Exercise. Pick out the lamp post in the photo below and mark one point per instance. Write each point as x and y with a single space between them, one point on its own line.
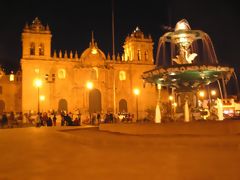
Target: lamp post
89 86
38 84
42 98
136 91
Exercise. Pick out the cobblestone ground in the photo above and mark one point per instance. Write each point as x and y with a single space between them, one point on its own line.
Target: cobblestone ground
86 153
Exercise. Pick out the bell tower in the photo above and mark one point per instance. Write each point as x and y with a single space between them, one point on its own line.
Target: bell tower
138 48
36 41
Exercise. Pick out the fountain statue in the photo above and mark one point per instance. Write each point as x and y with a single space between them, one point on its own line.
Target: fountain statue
185 62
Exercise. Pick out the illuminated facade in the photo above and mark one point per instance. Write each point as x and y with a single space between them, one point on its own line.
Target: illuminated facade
64 75
10 92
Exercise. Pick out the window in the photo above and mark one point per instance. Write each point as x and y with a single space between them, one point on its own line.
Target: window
146 56
32 48
41 50
122 75
46 77
53 77
61 73
0 89
139 55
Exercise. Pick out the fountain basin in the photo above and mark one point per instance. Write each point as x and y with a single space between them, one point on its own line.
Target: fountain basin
187 77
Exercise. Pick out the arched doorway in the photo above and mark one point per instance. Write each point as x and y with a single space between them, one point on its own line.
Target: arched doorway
95 103
62 106
123 105
2 106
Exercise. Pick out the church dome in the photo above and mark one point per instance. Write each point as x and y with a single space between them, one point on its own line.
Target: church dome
93 53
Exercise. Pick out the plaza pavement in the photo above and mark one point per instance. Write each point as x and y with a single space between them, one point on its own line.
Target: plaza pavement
71 153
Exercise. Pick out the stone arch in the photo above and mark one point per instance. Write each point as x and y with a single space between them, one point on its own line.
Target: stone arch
95 101
62 105
2 106
123 105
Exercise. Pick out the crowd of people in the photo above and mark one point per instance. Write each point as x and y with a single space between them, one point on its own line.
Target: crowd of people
11 119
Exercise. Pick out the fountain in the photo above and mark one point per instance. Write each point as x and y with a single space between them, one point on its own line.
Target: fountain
186 112
158 111
157 114
219 109
185 62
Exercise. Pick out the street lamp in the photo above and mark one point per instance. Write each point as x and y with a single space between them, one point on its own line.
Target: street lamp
89 85
136 91
38 84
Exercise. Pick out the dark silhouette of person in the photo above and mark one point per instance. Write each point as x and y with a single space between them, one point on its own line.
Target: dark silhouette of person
99 118
4 119
54 120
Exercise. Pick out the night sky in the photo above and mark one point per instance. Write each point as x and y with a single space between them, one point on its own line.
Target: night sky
71 24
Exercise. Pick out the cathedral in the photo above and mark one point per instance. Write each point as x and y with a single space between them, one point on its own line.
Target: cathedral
88 82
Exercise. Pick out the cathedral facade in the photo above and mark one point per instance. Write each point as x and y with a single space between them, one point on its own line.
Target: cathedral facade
88 82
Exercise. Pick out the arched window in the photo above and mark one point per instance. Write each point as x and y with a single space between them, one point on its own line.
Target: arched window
122 75
61 73
32 48
123 106
146 55
139 55
41 50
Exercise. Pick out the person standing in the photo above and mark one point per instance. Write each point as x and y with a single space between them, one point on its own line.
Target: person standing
99 118
4 120
54 120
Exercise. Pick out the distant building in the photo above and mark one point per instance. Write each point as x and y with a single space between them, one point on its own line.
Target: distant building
10 92
64 75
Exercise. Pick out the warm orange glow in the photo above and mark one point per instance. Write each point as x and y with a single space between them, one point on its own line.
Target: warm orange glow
182 25
170 98
89 85
38 83
136 91
42 98
201 94
122 75
11 77
94 51
213 92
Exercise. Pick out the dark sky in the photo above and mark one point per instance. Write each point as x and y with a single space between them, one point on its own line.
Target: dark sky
71 23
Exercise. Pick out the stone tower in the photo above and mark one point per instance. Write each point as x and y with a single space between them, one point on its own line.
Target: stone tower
36 41
36 55
138 48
